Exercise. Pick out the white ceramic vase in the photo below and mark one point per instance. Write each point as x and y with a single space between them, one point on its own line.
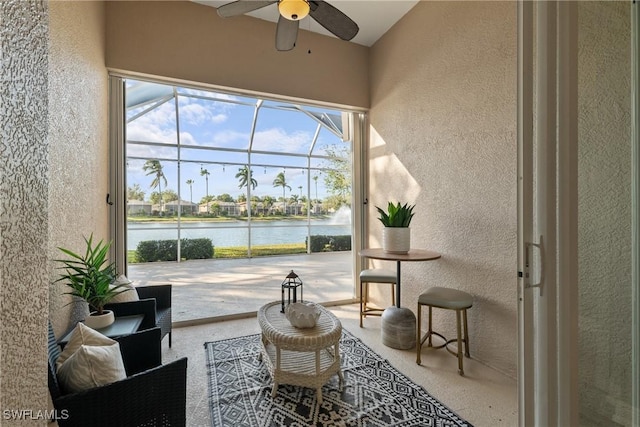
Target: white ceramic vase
302 315
99 321
396 240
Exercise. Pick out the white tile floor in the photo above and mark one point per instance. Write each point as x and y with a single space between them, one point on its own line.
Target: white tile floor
484 397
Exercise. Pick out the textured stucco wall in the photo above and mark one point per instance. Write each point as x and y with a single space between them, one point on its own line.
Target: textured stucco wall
604 220
79 149
24 177
443 136
54 175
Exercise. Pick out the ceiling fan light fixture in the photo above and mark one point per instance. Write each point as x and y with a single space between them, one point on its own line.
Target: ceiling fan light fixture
293 10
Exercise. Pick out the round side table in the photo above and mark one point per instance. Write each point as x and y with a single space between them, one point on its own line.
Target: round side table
398 326
303 357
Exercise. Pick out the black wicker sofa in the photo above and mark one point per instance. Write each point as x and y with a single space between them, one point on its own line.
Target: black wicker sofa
152 394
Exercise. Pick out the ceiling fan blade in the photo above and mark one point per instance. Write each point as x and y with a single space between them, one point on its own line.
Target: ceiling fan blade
286 33
333 19
241 7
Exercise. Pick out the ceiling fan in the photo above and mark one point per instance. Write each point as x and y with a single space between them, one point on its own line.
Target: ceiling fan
291 12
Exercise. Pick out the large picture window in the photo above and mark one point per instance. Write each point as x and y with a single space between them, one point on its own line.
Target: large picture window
242 172
213 175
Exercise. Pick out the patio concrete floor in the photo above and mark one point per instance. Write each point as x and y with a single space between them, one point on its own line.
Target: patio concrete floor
221 289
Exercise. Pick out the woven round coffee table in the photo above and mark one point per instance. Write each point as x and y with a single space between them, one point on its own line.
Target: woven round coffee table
302 357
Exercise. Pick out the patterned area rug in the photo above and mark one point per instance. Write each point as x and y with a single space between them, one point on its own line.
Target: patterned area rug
374 392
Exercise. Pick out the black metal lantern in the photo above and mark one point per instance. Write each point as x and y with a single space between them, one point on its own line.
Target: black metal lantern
292 281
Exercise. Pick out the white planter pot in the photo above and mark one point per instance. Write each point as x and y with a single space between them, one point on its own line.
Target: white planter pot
396 240
95 321
302 315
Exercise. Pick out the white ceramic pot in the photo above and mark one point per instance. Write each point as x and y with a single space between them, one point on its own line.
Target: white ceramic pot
302 315
396 240
99 321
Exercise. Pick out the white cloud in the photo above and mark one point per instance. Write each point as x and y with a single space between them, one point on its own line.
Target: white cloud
219 118
146 151
199 114
187 139
276 139
138 132
231 138
158 125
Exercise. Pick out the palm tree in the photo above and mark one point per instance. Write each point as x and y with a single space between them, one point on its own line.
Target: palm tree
154 167
300 187
281 181
190 184
315 179
205 173
245 175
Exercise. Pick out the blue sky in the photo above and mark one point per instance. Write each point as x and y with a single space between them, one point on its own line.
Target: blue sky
206 124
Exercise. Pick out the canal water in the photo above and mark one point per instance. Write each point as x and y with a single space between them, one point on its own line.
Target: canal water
236 233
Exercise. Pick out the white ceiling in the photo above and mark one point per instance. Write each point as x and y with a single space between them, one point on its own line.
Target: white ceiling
374 17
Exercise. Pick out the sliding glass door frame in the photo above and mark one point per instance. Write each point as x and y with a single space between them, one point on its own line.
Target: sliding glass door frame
547 213
117 197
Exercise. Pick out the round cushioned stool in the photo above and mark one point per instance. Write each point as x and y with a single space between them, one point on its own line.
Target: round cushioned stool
448 299
374 275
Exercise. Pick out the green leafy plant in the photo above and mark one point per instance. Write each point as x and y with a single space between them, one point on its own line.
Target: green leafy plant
396 215
90 276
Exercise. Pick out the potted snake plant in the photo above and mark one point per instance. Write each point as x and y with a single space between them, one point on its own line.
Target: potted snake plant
91 277
396 235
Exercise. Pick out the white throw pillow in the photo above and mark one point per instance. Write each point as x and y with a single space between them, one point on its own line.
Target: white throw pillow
82 335
91 366
129 295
